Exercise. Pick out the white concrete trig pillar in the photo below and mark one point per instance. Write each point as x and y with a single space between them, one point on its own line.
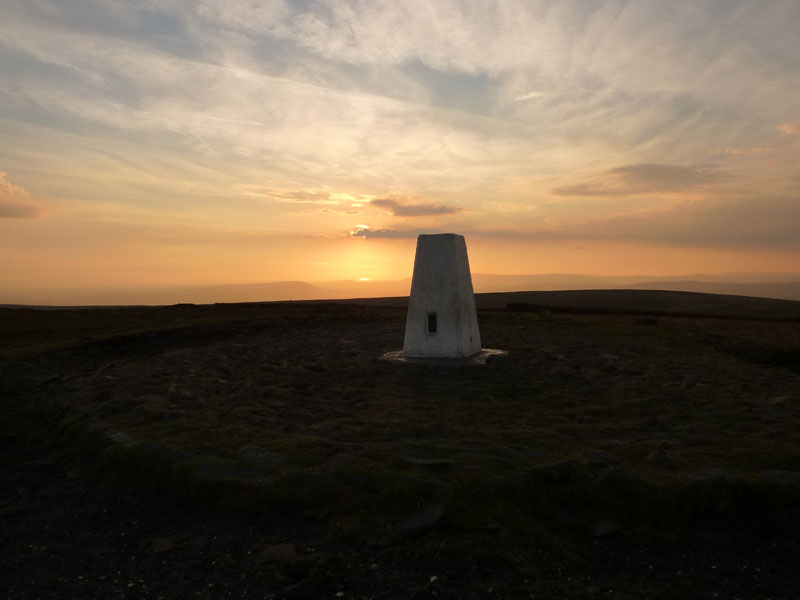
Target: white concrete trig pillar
442 321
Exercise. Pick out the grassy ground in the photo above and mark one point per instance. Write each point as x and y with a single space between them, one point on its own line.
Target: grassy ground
654 424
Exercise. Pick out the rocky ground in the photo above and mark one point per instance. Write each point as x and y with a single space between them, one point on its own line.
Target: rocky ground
267 452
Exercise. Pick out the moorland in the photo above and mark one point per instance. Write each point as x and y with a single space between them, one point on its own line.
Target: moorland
630 444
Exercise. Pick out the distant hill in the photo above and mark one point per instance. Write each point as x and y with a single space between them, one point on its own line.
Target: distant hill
789 290
767 285
209 294
628 301
750 284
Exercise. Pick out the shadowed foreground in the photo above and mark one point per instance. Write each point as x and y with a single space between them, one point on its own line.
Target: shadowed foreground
266 448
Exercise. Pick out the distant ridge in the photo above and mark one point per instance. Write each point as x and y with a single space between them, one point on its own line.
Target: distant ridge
785 286
789 290
657 302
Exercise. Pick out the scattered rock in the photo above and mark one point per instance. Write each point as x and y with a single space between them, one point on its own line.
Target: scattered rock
511 486
661 459
143 413
645 321
616 482
214 471
279 553
341 461
780 476
305 590
260 456
431 462
161 453
197 543
314 483
422 520
779 400
151 398
563 471
713 474
604 528
175 393
378 542
163 544
602 456
120 437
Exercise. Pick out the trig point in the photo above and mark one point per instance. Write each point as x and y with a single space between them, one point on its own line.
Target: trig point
442 321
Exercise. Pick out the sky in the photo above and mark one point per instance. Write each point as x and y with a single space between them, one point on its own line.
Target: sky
158 142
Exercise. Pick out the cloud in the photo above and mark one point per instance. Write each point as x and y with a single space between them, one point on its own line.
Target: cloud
746 222
400 209
746 151
529 96
752 222
644 178
14 201
366 232
790 128
290 196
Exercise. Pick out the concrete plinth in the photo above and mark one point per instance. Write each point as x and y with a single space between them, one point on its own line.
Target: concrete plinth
442 321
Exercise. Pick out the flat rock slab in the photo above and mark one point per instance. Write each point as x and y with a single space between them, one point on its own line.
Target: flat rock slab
476 360
260 456
314 484
422 520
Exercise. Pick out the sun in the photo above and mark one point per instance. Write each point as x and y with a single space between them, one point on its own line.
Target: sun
365 278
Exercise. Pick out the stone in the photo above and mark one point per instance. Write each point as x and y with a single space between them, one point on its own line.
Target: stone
562 471
342 461
162 454
151 398
660 459
645 321
314 483
514 485
279 553
305 590
601 456
163 544
789 479
604 528
420 521
433 463
260 456
221 470
779 400
442 321
120 437
715 475
616 482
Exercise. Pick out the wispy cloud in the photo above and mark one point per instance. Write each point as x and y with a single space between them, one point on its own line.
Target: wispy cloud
15 201
746 151
642 178
413 209
790 128
366 232
300 114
